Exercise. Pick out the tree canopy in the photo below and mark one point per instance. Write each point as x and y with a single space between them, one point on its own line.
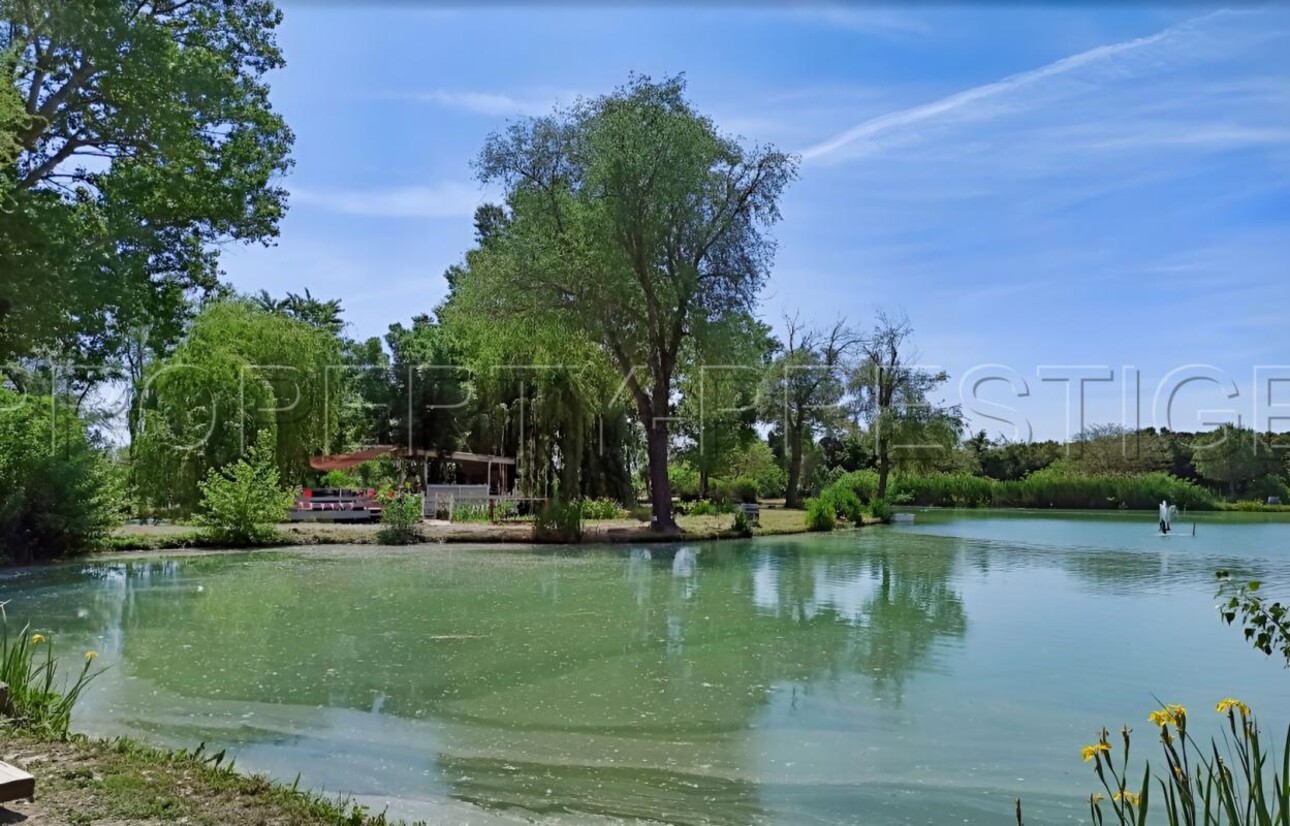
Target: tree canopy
143 139
632 219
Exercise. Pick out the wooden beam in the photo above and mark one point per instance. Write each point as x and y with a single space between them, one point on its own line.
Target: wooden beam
15 784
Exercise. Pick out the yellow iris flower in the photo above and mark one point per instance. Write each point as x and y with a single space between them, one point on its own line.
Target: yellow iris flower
1089 752
1229 703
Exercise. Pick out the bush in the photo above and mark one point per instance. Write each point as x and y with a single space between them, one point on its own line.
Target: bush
243 502
341 479
880 510
863 483
58 495
745 490
743 523
684 480
400 515
35 701
820 515
558 522
600 509
845 502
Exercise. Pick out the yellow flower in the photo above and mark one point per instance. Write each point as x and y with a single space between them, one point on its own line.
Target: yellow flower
1229 703
1089 752
90 655
37 639
1128 797
1173 715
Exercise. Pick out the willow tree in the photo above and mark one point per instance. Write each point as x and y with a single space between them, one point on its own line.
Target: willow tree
632 220
241 372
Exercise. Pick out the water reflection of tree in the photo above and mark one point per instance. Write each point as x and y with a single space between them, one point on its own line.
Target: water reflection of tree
539 662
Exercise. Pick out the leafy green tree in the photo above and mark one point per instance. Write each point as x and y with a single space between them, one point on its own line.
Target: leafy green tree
1113 448
892 394
1234 457
58 495
243 502
803 389
632 219
146 141
239 371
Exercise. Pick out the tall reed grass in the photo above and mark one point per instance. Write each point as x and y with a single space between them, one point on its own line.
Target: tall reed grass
37 701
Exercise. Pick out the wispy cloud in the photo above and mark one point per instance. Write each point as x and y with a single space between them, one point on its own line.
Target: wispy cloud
447 200
867 20
870 133
492 104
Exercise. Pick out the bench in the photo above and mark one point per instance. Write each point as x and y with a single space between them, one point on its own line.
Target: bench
753 510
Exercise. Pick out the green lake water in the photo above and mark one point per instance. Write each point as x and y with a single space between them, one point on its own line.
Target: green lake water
922 673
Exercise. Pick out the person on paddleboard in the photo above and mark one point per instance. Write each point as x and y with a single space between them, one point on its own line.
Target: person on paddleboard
1164 516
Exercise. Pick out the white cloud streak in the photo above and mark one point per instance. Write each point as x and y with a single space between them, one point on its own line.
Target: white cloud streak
447 200
492 104
871 130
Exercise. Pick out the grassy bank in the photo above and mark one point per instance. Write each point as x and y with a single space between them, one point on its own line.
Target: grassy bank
774 521
85 781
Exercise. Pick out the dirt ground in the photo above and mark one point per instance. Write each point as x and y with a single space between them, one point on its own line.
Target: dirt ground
112 783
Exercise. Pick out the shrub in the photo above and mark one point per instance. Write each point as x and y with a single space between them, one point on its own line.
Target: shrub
845 502
341 479
58 495
558 522
400 516
744 489
820 515
684 480
35 701
863 483
743 523
243 502
600 509
880 510
703 507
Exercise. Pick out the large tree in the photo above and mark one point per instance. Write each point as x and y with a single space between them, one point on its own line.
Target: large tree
803 389
892 394
145 140
635 221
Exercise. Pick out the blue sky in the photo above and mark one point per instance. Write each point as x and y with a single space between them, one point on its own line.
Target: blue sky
1035 188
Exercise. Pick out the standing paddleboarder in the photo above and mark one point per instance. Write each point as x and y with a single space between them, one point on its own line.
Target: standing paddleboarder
1164 516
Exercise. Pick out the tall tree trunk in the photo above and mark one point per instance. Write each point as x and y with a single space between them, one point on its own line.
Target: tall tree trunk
660 489
793 497
884 470
703 483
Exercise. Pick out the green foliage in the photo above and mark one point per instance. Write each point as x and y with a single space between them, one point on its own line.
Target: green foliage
58 495
742 524
631 221
684 479
1235 456
400 516
147 143
1266 622
558 522
469 512
863 483
601 509
880 510
37 701
240 371
757 462
845 502
243 503
340 479
1054 487
820 515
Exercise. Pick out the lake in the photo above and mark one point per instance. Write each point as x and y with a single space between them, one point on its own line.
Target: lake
920 673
